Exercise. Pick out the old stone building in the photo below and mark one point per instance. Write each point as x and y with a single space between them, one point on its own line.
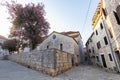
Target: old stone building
112 18
66 41
58 53
91 47
103 39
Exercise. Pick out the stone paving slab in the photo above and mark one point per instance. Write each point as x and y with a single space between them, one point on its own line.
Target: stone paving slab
13 71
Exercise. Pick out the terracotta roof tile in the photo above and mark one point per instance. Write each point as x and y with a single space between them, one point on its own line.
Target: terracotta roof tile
2 37
72 34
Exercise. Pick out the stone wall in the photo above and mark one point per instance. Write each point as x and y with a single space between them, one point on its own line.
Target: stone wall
112 23
51 62
3 54
61 42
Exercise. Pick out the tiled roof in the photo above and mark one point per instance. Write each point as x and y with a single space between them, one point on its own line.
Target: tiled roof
2 37
72 34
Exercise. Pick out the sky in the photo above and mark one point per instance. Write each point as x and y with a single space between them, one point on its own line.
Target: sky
63 15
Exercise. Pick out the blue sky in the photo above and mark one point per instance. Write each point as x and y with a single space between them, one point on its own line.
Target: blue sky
63 15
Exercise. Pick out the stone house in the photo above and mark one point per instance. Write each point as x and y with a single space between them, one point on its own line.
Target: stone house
69 42
102 37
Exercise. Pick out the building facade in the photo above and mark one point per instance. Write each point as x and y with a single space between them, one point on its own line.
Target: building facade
65 41
104 38
91 47
112 18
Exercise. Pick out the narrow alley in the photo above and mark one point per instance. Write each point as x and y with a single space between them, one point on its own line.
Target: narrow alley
13 71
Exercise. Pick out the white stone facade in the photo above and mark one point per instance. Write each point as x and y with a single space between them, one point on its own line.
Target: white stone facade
113 21
62 42
103 42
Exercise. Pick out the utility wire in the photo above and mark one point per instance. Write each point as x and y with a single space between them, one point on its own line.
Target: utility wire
86 16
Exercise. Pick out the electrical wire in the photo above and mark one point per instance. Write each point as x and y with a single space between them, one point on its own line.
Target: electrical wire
86 16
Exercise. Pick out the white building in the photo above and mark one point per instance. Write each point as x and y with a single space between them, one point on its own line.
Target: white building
66 41
2 52
111 10
102 40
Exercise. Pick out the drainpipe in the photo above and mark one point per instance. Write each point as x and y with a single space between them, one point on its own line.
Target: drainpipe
113 53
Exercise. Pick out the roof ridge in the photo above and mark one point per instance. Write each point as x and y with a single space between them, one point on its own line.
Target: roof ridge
3 37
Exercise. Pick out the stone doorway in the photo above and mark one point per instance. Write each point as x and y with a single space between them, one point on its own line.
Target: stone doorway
103 61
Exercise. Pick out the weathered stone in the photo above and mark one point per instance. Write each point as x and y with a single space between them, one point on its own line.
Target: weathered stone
51 62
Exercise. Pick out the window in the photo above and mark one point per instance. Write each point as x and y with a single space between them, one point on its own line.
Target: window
88 42
61 46
93 49
118 11
54 36
111 34
98 45
117 18
96 32
105 40
104 12
89 50
47 46
90 39
97 58
110 57
101 25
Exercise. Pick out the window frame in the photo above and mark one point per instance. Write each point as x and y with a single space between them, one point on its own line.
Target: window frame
105 40
110 57
97 58
98 45
96 32
61 46
116 17
101 26
47 46
104 12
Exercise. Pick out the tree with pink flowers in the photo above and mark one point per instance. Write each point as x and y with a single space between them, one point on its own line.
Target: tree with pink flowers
28 21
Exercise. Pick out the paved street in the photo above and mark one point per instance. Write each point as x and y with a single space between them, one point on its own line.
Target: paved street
13 71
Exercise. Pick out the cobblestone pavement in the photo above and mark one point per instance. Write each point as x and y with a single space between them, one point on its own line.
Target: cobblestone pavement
13 71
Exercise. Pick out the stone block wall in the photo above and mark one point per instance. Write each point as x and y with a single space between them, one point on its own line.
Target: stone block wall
51 62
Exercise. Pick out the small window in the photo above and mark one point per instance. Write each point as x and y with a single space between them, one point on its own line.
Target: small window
105 40
96 32
47 46
101 25
118 11
89 50
98 45
104 12
97 58
93 49
88 42
117 18
110 57
54 36
111 34
61 46
90 39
